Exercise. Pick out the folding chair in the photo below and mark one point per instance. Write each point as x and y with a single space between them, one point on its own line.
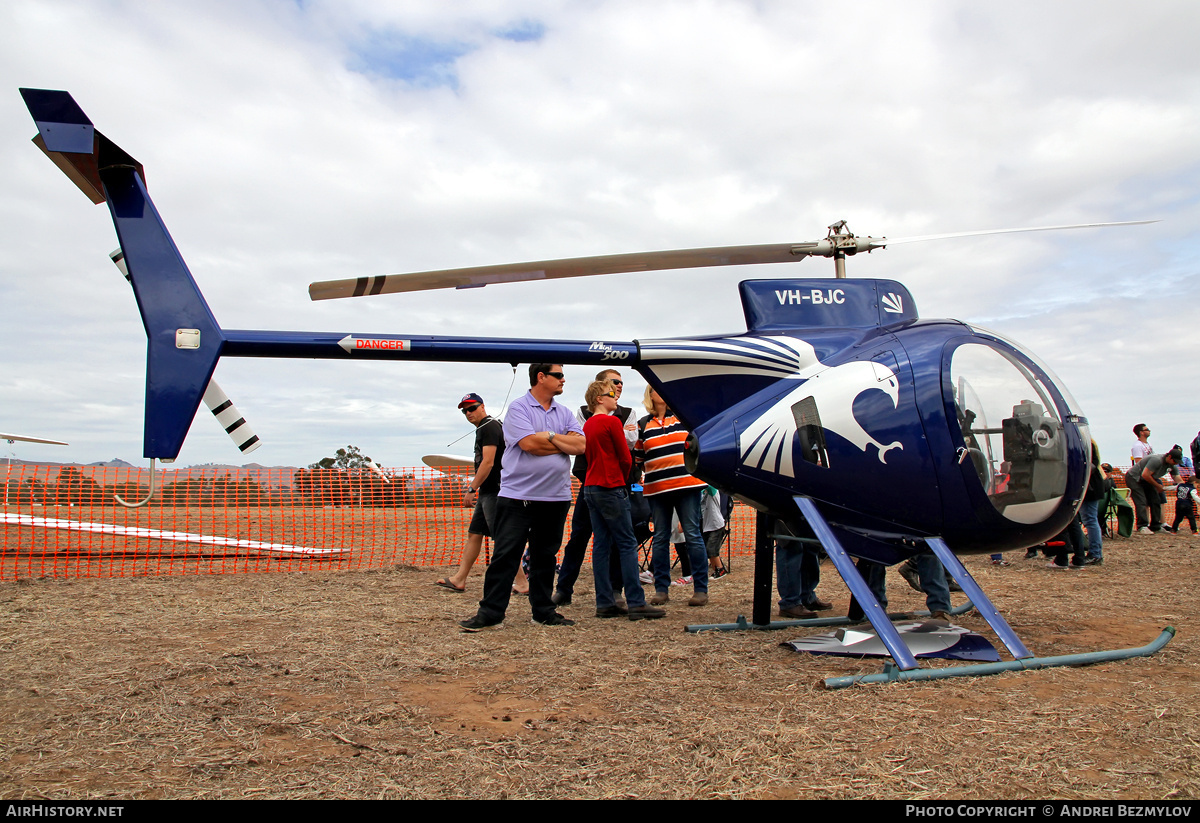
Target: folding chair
1117 510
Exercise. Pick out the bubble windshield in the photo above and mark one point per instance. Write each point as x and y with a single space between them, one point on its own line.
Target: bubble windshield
1068 398
1011 431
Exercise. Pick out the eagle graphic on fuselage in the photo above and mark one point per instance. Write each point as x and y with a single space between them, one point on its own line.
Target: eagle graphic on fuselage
767 442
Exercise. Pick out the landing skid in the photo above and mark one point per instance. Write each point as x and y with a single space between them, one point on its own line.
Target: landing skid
742 624
874 612
904 666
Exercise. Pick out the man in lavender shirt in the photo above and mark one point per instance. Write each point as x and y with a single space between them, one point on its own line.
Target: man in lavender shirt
540 435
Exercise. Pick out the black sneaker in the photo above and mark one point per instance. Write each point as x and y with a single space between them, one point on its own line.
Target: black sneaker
560 599
1094 561
555 620
611 611
478 624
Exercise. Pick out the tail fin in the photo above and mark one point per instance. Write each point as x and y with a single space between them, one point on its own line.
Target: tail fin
184 340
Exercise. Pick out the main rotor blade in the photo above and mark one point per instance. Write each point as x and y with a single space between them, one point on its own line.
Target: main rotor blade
13 437
880 242
554 269
447 461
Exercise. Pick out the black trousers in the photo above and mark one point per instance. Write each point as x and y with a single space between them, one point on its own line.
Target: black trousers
1180 514
519 522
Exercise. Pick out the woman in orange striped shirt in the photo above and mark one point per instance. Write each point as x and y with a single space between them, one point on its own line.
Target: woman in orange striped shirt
668 488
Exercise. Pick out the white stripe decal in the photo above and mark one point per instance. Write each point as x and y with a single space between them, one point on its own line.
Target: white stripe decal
156 534
722 353
669 373
783 355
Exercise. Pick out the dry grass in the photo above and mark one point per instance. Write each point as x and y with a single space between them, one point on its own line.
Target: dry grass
359 684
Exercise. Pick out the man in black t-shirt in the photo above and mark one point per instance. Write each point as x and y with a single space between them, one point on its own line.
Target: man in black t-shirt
483 489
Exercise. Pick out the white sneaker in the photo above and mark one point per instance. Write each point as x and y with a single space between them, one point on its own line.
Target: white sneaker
1145 530
646 577
683 581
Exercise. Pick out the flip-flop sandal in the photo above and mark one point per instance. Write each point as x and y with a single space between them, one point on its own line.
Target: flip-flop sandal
523 594
446 584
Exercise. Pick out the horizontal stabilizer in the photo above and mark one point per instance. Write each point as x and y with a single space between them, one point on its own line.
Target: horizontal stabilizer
61 123
68 138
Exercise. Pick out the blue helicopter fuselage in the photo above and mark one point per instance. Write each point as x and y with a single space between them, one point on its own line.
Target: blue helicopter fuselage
839 393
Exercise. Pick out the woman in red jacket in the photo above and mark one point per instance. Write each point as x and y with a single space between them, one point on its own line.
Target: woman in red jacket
606 489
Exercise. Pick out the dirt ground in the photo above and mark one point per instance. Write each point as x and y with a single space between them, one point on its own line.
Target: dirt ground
360 684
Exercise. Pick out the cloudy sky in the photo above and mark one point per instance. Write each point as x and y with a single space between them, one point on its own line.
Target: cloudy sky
287 142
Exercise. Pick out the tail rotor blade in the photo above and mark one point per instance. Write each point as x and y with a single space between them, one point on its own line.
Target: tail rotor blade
217 401
230 418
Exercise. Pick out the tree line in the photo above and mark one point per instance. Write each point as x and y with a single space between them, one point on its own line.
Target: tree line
311 487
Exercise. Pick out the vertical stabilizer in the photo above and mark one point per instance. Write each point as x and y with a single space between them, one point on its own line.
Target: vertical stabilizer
184 340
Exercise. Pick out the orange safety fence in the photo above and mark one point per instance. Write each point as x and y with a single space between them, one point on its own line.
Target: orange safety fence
63 521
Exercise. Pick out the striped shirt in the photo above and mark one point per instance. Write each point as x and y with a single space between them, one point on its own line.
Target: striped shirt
662 450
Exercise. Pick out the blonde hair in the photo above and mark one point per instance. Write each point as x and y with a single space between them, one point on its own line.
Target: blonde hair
594 390
647 403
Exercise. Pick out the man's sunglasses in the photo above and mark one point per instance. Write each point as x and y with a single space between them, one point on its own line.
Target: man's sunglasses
469 409
557 375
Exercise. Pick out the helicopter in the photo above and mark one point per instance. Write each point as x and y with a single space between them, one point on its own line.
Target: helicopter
979 446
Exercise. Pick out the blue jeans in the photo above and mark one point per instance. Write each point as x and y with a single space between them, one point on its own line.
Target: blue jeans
875 576
930 572
576 548
798 569
1090 511
933 582
612 529
687 504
